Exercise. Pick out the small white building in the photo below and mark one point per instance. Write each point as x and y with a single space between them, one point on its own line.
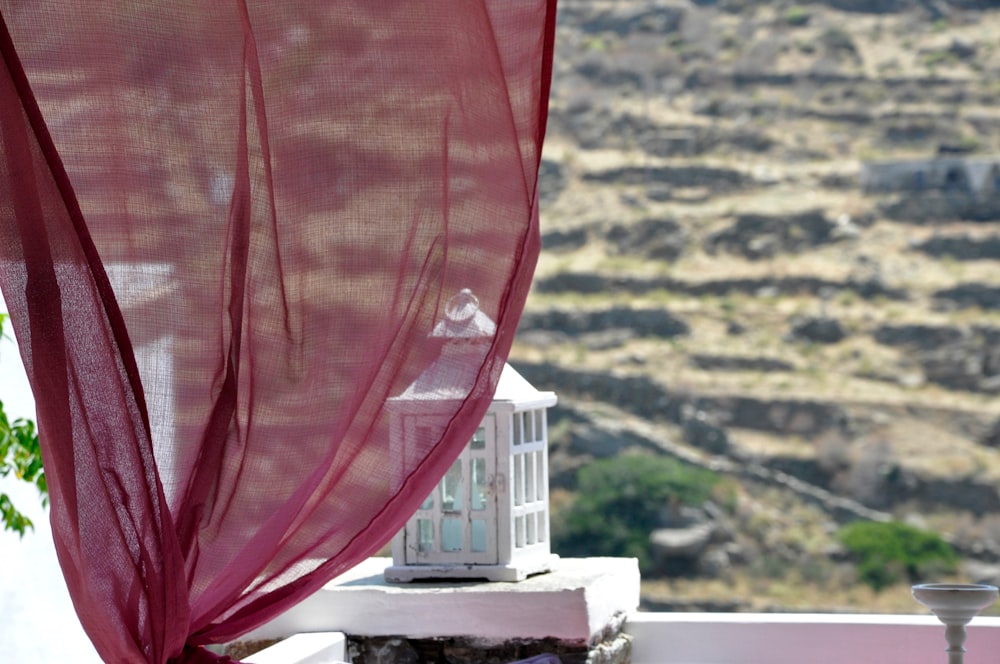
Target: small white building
980 176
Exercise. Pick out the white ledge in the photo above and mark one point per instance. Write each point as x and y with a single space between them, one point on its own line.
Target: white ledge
316 648
573 603
789 638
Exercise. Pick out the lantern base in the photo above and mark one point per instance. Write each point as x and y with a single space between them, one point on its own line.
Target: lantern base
514 571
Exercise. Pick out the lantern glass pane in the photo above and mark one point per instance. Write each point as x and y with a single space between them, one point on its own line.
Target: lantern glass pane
543 521
518 479
539 424
529 429
425 535
540 475
451 534
529 477
530 526
519 532
451 488
479 485
478 439
478 535
515 422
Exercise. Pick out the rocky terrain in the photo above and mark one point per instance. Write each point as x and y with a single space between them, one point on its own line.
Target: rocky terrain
720 283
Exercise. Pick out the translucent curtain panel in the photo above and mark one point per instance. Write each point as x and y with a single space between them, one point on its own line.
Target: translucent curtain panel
228 230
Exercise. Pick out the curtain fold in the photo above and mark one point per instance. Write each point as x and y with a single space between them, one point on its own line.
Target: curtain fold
227 232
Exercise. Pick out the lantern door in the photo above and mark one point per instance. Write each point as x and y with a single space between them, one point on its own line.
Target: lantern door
457 522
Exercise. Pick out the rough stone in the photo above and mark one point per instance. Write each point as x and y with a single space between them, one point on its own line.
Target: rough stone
564 240
617 650
714 564
687 542
869 6
656 19
937 206
551 181
909 130
818 330
806 469
918 336
701 431
243 649
642 322
763 236
980 572
599 443
963 49
382 651
971 295
663 239
735 328
719 179
992 437
607 339
600 72
965 365
739 363
586 282
674 605
961 247
612 647
960 493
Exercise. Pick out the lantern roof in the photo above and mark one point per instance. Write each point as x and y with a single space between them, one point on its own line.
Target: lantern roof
514 392
450 376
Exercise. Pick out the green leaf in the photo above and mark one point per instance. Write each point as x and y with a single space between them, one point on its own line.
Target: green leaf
12 519
20 455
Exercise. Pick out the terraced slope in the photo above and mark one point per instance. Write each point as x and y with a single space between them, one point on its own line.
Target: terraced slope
716 277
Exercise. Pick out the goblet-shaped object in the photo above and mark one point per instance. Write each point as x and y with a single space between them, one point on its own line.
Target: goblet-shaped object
955 604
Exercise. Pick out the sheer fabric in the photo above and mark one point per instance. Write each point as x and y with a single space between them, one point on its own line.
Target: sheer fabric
228 230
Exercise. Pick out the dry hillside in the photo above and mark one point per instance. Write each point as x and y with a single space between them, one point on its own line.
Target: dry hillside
717 284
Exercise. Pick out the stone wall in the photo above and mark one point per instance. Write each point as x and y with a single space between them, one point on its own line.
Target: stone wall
613 646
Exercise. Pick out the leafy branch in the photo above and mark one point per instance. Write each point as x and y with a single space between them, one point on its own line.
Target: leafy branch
21 456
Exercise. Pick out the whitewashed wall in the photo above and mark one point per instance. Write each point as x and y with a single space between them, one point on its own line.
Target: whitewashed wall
37 621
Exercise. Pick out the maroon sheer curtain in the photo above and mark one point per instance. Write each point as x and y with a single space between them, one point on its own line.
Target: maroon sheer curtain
227 232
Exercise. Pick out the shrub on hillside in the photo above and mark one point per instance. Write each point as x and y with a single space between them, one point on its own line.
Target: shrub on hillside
619 501
797 16
887 553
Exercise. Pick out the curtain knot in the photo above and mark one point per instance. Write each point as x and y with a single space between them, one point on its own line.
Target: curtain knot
199 655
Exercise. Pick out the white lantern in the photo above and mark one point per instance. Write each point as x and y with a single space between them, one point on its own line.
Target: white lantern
489 515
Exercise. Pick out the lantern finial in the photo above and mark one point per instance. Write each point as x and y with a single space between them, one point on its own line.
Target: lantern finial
463 319
461 306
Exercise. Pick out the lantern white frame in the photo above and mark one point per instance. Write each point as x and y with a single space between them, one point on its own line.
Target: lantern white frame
509 454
